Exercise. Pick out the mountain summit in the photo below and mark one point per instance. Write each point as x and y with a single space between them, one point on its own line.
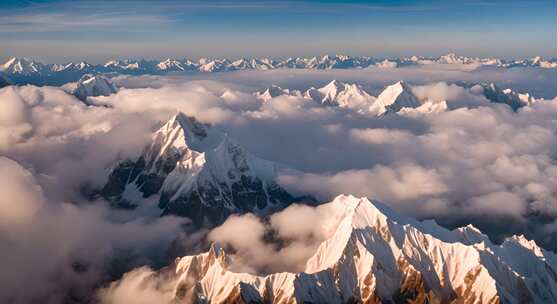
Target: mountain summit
200 173
22 66
377 256
341 94
507 96
93 85
394 98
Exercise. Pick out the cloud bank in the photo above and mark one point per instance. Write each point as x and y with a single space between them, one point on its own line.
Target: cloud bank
472 164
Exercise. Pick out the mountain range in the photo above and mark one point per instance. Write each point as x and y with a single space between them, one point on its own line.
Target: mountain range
396 98
200 173
375 255
24 70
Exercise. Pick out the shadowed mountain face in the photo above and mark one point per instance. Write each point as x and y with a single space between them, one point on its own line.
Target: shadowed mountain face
199 173
507 96
93 85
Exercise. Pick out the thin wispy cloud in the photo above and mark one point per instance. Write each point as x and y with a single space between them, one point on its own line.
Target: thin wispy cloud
50 22
79 15
261 28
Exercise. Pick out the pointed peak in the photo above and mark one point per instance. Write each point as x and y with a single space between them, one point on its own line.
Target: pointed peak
22 65
184 119
397 88
394 98
11 61
364 207
349 202
334 85
189 124
183 132
91 85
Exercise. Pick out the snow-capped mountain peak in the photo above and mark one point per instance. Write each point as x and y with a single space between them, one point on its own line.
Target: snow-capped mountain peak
200 173
94 85
333 87
375 255
337 93
395 97
185 132
22 66
170 65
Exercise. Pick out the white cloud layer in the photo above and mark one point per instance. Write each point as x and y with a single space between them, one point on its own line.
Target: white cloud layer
465 165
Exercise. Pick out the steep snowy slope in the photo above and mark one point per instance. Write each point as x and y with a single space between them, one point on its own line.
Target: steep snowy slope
199 173
394 98
378 256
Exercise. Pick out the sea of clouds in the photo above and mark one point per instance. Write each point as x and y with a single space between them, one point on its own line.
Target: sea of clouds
478 163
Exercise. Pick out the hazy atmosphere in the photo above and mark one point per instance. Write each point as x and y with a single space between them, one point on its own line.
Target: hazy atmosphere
101 30
278 152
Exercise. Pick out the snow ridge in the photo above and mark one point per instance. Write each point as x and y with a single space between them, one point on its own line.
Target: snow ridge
376 255
396 98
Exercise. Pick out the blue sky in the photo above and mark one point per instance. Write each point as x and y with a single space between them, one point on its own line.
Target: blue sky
58 31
